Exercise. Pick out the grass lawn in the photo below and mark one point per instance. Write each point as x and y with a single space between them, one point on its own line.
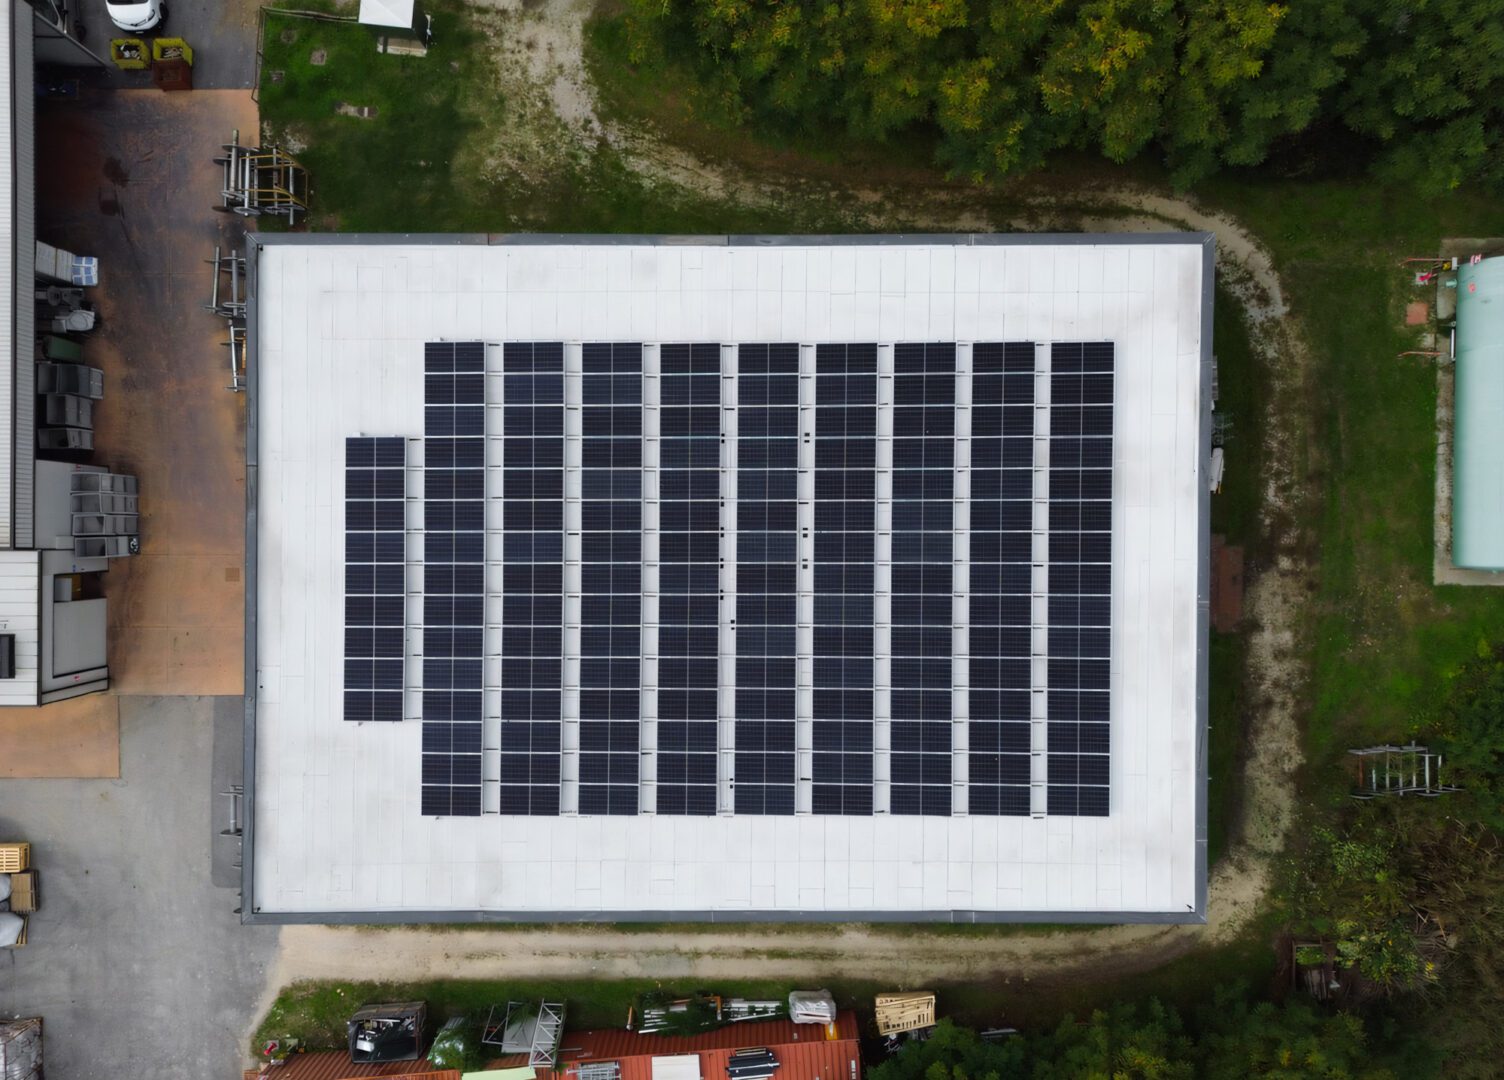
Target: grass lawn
1385 638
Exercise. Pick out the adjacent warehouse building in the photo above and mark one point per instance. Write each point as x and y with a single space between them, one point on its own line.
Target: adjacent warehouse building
52 607
727 578
1478 437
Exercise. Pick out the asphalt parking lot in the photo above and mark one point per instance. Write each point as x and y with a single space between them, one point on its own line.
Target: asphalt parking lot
222 34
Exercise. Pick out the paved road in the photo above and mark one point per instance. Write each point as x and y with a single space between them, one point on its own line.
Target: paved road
136 960
221 32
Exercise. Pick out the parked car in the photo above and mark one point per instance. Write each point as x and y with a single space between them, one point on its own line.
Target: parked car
137 15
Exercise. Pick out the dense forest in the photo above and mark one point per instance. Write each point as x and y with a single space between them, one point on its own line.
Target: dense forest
1413 89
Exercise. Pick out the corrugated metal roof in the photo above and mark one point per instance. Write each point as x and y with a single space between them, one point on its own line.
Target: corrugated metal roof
804 1051
335 1065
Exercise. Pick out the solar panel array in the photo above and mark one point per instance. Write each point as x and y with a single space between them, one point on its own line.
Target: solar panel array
532 577
689 586
454 569
1033 745
1002 581
767 558
1081 404
845 524
375 577
611 578
924 460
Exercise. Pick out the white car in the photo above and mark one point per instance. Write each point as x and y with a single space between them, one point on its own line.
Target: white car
136 15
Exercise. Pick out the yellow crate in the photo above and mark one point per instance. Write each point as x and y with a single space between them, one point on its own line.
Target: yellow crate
130 54
15 857
171 48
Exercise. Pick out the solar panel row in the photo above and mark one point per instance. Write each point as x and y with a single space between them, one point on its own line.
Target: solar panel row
375 577
454 567
1003 618
611 578
845 524
767 556
923 553
1002 544
532 577
1081 406
689 587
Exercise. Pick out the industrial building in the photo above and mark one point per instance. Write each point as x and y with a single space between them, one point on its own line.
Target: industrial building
62 517
1477 479
727 578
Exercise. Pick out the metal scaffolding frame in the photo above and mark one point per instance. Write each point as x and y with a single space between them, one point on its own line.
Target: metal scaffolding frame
261 180
1411 769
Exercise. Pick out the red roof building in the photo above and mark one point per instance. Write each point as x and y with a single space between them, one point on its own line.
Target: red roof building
336 1065
803 1051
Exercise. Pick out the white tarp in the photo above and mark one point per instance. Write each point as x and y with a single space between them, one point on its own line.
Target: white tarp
812 1007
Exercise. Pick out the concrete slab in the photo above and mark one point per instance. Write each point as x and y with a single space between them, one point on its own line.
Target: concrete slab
136 183
75 738
137 962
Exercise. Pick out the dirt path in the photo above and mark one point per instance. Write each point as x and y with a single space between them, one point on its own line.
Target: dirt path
539 47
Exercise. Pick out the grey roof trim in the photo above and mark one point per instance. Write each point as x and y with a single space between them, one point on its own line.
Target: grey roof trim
252 455
1203 572
249 912
358 918
734 240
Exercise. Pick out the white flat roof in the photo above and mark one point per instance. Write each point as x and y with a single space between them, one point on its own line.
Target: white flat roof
337 333
391 13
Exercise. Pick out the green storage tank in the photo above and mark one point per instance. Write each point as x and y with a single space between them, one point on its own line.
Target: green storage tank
1478 433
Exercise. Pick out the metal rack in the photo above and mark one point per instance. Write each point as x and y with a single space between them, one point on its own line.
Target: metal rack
228 301
229 270
104 509
1411 769
261 180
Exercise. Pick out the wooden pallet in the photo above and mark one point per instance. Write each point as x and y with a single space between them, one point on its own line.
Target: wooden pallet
15 857
905 1012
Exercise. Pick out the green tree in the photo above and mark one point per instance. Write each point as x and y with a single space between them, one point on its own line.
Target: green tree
1289 1042
1429 90
1469 733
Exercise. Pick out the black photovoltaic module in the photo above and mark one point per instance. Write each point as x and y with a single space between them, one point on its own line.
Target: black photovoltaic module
767 556
1080 573
1002 553
454 571
689 571
532 577
375 577
611 578
845 522
1001 611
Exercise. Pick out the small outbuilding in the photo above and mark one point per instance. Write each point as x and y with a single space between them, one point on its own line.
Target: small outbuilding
1478 438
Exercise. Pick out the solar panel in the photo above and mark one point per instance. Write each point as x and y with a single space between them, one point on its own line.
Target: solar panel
845 497
1080 575
532 577
611 578
1001 534
767 540
453 575
375 577
923 507
689 588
